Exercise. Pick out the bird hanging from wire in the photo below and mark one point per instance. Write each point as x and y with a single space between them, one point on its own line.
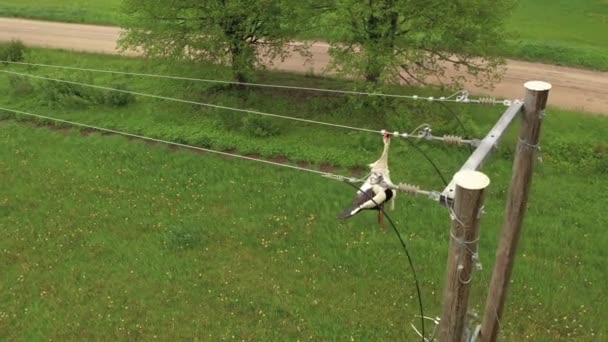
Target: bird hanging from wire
377 189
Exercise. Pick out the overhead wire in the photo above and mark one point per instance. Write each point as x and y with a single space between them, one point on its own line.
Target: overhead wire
407 253
225 108
465 131
441 100
462 99
172 99
347 180
172 143
229 108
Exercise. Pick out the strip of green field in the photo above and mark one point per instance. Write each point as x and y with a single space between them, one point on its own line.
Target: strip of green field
104 237
106 12
553 31
561 31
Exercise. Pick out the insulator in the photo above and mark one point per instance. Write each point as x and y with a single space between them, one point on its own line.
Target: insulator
452 140
487 100
409 188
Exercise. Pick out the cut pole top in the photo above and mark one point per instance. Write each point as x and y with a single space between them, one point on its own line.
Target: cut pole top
471 180
538 85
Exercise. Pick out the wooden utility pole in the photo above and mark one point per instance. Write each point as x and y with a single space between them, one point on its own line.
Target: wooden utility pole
537 94
468 204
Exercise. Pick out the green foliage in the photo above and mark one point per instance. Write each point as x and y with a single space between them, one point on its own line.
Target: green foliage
260 127
228 120
119 98
67 95
222 32
384 40
556 31
13 51
20 86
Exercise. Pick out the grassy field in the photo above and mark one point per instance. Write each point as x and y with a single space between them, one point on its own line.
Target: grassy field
105 237
104 12
553 31
561 31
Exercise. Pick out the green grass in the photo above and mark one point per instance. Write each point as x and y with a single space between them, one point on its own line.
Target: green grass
562 32
73 11
102 237
554 31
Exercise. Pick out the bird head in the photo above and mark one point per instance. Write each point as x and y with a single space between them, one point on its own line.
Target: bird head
387 138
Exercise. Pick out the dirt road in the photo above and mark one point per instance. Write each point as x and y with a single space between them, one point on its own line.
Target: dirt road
574 89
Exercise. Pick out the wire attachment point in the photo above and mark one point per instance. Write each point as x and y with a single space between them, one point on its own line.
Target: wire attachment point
339 178
487 101
408 188
453 140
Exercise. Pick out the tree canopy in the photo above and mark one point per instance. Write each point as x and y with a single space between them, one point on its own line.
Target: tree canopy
375 40
394 40
228 32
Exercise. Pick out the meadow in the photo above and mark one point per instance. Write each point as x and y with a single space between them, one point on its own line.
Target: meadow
104 237
103 12
561 31
553 31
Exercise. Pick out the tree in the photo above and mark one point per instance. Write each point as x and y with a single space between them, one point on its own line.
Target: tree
411 40
238 33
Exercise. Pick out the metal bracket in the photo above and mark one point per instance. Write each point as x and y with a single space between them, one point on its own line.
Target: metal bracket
485 148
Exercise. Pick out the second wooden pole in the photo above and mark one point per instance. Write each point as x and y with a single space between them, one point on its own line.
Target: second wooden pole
537 93
468 204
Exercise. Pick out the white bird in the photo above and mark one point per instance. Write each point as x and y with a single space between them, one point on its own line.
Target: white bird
377 189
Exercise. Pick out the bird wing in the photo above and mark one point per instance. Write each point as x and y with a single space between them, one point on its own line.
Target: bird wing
361 198
364 196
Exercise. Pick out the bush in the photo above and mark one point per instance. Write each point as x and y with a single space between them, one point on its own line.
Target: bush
70 95
228 120
202 141
20 86
370 143
260 127
119 98
600 152
13 51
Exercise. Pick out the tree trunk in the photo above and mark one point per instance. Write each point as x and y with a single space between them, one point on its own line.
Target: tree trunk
381 38
372 75
237 62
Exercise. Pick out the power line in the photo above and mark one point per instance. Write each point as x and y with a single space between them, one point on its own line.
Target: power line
194 102
428 158
232 109
459 99
347 180
407 254
446 139
171 143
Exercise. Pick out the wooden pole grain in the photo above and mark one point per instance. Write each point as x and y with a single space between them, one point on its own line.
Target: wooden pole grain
464 234
537 93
